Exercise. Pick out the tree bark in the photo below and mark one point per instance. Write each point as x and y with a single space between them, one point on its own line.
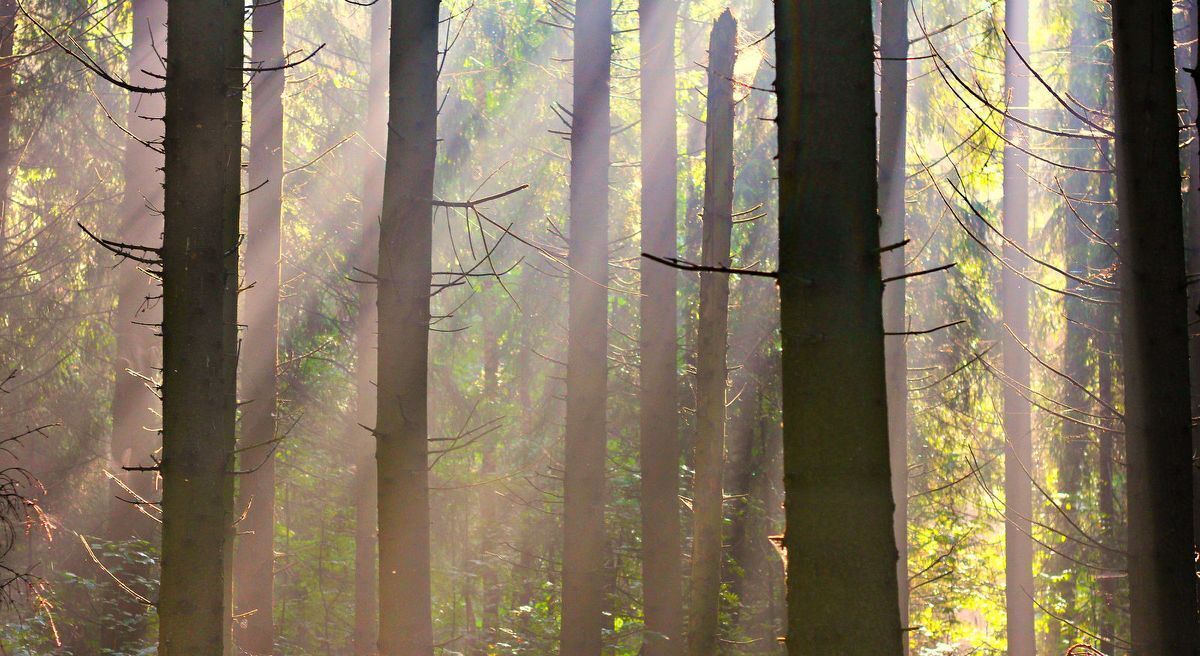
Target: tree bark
1017 419
254 560
1154 332
1186 58
584 540
405 259
836 460
366 512
200 282
893 133
659 342
712 343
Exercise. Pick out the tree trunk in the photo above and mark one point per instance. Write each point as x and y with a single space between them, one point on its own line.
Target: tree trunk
836 460
8 92
405 259
659 428
134 405
1186 56
200 282
893 133
255 556
711 344
1154 332
587 342
366 564
1014 301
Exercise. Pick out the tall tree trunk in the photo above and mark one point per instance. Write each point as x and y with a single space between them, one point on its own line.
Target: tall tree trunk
584 542
134 404
405 259
1186 56
1154 332
893 133
200 282
836 460
1014 301
711 344
254 560
8 92
662 563
366 565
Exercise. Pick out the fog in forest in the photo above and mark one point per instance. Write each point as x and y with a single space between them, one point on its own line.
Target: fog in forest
599 327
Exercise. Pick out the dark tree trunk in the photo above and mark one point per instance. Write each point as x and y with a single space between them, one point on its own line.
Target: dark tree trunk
1014 301
405 259
711 345
836 460
893 119
135 406
366 564
584 544
254 560
1186 56
200 282
1154 332
659 427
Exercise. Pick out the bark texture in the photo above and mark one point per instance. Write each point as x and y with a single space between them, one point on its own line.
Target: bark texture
584 543
711 345
200 281
836 460
254 559
405 257
1154 332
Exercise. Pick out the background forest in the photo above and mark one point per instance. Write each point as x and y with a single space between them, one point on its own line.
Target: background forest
994 113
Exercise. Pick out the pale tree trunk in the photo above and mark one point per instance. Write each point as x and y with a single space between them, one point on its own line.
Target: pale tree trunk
836 455
200 282
405 259
254 559
8 92
711 345
1154 333
134 403
366 563
659 342
893 119
1014 303
584 542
